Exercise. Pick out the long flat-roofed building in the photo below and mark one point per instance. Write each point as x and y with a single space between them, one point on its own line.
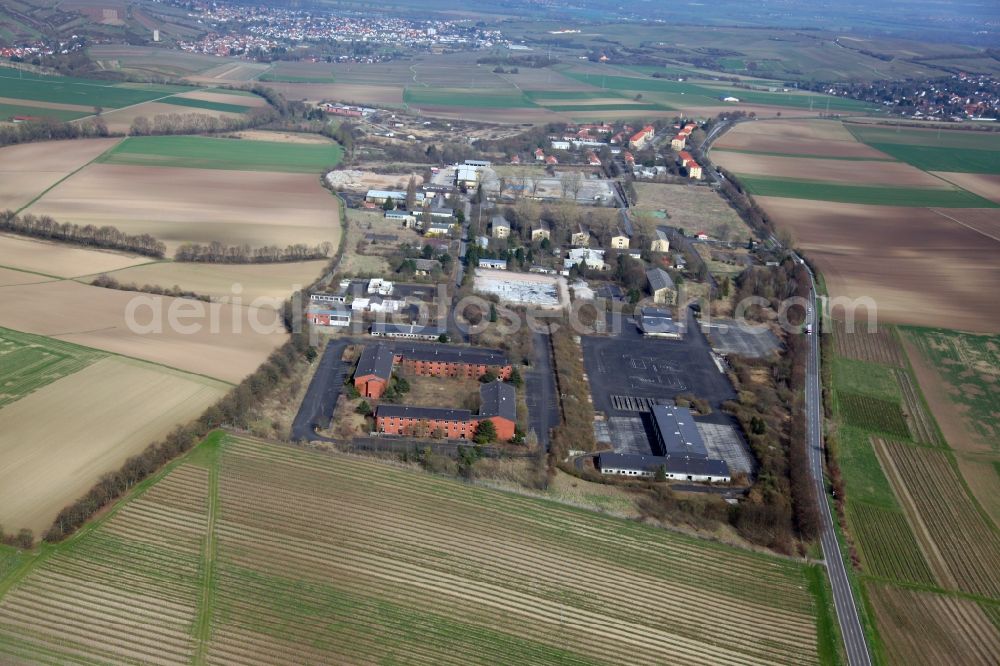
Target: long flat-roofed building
676 432
451 361
498 403
675 468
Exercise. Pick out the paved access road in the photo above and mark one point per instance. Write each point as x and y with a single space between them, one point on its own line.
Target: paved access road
321 396
847 610
540 388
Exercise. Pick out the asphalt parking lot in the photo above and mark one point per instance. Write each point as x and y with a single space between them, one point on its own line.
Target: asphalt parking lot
727 336
631 366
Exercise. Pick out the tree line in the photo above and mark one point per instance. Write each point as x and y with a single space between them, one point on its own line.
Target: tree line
106 237
107 282
218 253
199 123
48 129
235 409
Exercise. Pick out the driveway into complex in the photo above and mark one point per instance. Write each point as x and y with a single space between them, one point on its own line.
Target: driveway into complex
321 396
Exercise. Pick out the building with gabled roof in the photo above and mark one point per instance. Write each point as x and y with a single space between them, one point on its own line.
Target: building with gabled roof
661 286
374 370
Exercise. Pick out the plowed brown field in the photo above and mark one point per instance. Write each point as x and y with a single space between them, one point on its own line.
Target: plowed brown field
797 137
96 317
919 267
853 172
28 169
196 205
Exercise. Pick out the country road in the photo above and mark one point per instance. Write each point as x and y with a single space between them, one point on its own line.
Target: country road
843 597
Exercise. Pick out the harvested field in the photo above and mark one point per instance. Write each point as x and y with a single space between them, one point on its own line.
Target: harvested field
924 628
689 207
879 346
985 185
919 267
193 205
985 222
272 283
96 317
231 71
888 547
855 172
86 110
10 277
963 545
224 97
340 92
275 536
107 411
58 259
818 138
281 137
28 169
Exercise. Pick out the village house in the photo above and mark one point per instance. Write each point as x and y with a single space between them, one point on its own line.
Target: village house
542 231
499 227
581 237
619 239
661 241
661 286
642 138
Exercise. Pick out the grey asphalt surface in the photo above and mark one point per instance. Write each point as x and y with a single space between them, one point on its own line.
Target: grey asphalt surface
321 396
847 610
540 388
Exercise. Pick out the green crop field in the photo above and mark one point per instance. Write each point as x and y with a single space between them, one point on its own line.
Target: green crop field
624 107
66 90
29 362
875 195
888 547
930 150
8 111
254 553
491 98
872 414
706 95
205 104
232 154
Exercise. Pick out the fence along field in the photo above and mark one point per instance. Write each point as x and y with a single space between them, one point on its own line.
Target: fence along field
250 553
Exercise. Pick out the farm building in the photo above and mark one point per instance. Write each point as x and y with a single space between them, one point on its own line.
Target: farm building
661 241
495 264
499 227
407 331
374 371
661 286
657 323
674 468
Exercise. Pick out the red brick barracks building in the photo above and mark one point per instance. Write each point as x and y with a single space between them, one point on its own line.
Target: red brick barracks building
375 366
498 403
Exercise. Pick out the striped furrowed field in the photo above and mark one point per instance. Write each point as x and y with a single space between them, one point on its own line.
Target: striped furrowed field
924 628
29 362
128 592
878 346
302 557
889 548
963 541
